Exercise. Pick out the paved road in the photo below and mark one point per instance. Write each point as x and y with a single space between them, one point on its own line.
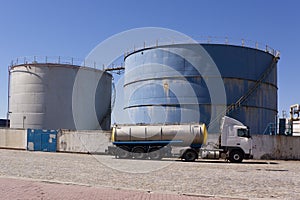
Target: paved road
169 179
14 189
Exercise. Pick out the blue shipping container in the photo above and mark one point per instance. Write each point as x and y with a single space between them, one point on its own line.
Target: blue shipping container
41 140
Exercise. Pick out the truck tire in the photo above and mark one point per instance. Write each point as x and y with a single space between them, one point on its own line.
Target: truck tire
123 152
236 156
139 152
155 153
190 155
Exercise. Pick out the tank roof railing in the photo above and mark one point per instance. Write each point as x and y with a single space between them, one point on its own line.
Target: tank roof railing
146 44
58 60
204 40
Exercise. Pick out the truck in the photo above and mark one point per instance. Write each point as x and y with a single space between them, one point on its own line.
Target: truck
188 141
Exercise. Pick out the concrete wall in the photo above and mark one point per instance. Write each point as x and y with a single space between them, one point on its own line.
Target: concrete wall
83 141
13 138
276 147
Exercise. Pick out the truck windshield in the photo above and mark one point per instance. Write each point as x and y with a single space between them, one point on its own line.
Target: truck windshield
243 133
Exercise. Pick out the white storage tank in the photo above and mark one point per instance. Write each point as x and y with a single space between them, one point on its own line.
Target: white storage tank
59 96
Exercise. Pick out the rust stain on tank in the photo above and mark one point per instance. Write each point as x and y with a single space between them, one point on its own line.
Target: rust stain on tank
166 88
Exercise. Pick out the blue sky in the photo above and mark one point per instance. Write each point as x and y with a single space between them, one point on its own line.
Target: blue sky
75 27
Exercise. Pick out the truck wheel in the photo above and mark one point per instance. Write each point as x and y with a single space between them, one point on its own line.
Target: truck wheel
190 155
155 154
123 152
236 156
139 153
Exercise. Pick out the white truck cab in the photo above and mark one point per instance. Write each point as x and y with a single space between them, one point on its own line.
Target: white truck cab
236 141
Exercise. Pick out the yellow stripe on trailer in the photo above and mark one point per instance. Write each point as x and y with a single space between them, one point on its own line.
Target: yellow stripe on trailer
113 134
204 133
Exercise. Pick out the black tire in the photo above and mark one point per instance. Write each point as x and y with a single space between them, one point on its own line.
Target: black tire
236 156
190 155
155 153
139 153
123 152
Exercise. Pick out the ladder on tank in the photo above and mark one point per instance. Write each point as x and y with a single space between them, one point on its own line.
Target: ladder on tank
244 97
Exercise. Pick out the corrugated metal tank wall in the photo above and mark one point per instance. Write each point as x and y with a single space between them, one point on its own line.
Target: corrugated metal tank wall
41 96
162 87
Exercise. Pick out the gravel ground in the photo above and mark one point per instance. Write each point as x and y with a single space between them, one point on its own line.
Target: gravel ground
249 180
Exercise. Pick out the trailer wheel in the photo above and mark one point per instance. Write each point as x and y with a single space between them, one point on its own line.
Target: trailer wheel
236 156
139 153
123 152
155 154
190 155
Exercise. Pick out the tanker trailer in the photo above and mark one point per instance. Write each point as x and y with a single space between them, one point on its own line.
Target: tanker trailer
157 141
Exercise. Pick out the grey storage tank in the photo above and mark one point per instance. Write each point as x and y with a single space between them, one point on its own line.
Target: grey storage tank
54 96
163 86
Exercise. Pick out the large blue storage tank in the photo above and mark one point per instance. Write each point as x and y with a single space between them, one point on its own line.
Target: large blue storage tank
163 86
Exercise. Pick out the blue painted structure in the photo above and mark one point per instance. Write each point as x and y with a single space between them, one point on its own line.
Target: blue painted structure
41 140
163 86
